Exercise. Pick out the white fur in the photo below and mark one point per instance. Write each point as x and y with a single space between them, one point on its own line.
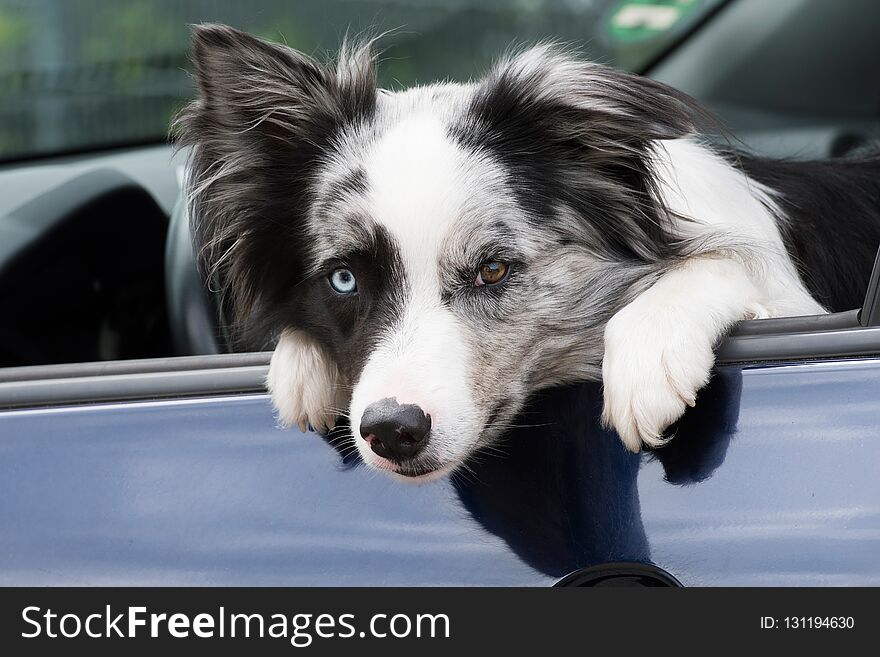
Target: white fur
721 200
659 348
418 182
419 187
304 383
424 362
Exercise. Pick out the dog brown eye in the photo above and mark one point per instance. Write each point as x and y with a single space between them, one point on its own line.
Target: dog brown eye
491 272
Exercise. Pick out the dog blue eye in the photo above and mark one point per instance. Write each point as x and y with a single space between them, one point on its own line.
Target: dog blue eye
343 281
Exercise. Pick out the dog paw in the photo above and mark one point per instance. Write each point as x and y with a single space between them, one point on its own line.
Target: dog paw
651 372
304 383
659 349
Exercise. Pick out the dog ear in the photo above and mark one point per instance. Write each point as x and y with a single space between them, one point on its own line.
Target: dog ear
591 130
585 100
249 85
265 115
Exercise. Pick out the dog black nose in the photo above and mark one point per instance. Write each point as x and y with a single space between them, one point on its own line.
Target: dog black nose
395 431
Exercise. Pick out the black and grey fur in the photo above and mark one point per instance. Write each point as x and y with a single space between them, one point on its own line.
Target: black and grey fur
630 246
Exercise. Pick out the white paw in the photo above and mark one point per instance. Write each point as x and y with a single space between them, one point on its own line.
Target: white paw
651 372
659 349
304 383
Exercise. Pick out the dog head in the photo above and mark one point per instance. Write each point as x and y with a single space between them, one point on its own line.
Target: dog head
428 258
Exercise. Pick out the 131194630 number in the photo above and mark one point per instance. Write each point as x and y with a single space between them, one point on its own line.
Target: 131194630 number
808 623
818 622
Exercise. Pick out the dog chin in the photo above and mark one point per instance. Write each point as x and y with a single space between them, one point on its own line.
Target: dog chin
409 473
424 477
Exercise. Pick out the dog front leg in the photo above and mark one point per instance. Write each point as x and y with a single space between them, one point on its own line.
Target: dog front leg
659 349
304 383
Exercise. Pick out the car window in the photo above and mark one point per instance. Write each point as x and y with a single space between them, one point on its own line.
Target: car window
81 74
88 74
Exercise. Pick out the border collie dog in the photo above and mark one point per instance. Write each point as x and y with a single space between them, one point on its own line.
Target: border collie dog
427 259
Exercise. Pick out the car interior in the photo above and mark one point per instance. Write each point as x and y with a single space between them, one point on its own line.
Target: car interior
96 261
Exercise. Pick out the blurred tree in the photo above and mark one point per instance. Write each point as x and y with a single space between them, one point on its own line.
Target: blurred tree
81 73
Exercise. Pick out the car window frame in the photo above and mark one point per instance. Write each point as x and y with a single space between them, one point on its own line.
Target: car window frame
791 340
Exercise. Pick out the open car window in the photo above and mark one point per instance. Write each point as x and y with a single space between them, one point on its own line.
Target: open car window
92 258
106 253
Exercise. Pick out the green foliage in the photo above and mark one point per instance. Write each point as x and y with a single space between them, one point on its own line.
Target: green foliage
132 28
123 62
15 30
